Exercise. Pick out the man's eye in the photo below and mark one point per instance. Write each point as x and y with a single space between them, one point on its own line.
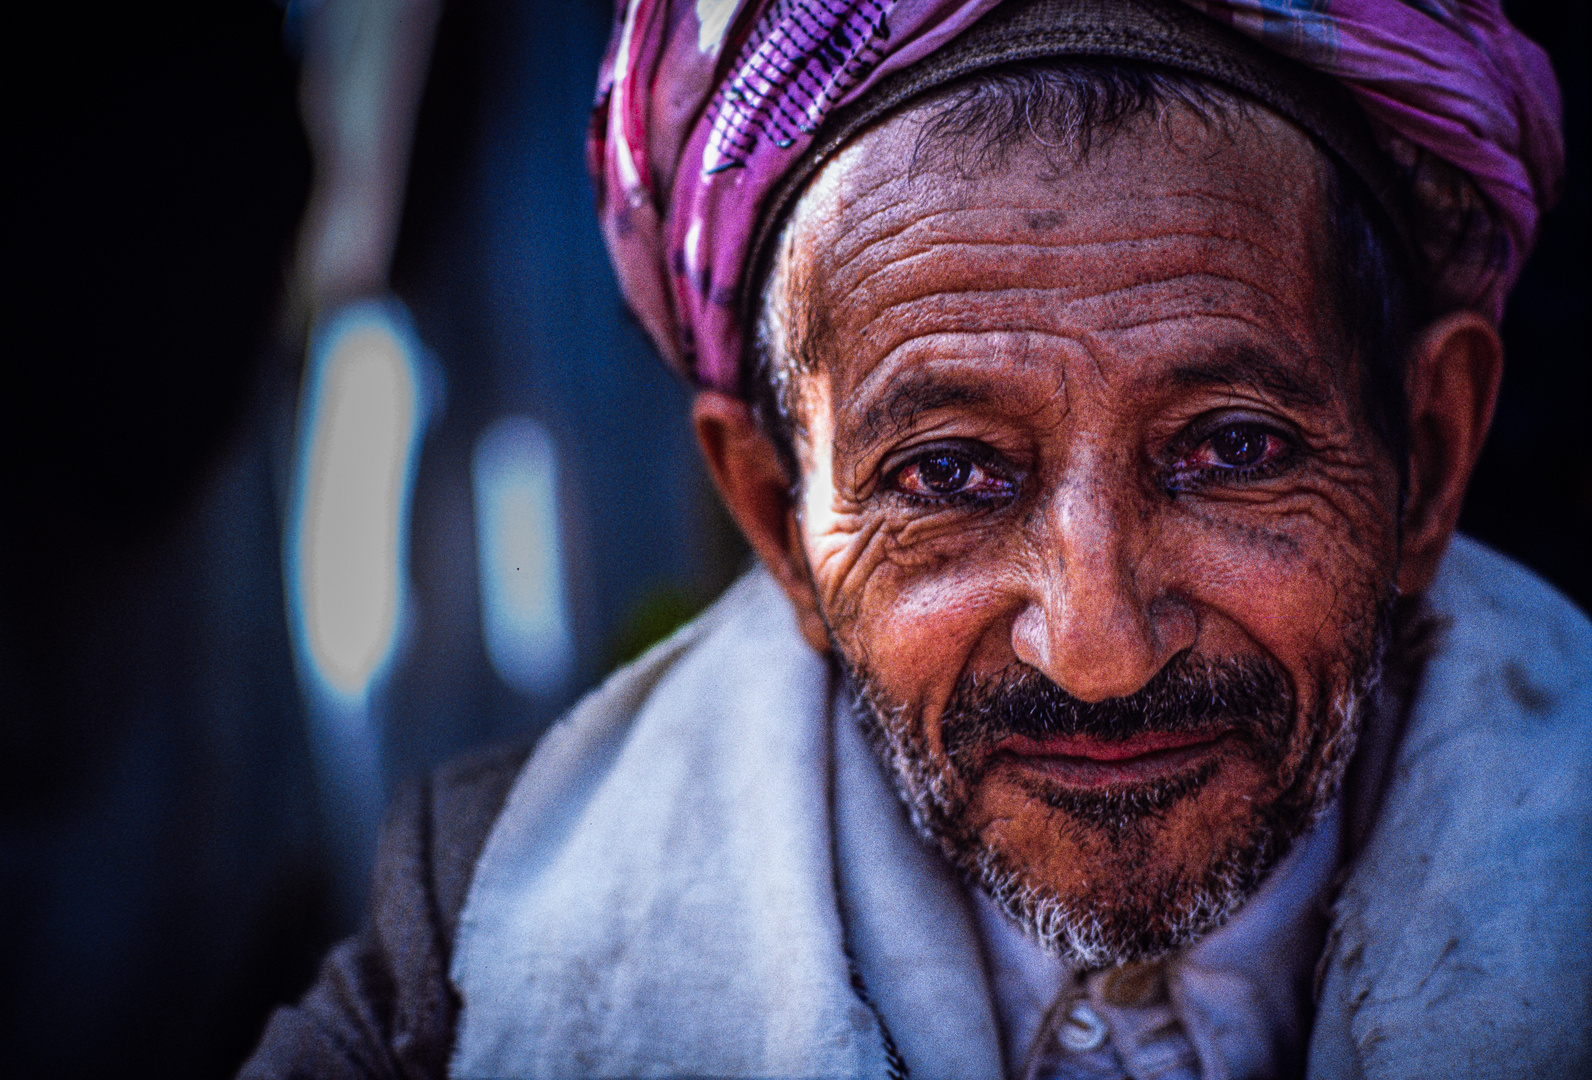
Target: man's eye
942 473
1238 447
1241 445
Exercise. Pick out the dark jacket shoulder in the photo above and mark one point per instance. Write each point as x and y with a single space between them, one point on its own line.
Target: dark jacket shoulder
382 1005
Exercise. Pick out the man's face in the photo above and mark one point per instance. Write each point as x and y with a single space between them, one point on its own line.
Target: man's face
1091 508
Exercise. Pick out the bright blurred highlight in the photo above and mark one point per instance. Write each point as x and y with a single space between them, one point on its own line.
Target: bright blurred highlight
524 617
359 434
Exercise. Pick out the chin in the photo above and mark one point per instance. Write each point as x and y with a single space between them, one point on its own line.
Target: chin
1127 872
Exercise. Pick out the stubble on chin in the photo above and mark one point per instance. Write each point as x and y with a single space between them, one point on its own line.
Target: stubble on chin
1142 904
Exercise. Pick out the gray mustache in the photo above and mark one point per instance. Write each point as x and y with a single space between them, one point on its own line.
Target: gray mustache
1189 694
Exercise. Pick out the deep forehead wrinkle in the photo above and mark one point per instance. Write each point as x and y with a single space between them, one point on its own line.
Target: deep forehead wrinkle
880 200
1290 382
1122 280
1099 236
1217 223
1100 263
875 196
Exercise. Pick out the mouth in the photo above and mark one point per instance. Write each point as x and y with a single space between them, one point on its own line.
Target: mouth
1082 762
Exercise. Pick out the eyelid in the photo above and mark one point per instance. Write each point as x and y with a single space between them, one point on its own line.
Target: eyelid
983 455
1185 475
1200 430
994 464
1204 426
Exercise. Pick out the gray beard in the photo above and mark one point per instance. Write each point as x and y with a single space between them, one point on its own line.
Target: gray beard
1147 918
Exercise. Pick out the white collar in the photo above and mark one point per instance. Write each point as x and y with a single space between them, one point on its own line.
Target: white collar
1272 944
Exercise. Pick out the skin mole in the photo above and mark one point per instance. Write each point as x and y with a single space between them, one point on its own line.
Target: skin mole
1045 220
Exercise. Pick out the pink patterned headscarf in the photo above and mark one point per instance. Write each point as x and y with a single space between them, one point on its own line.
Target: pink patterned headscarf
704 105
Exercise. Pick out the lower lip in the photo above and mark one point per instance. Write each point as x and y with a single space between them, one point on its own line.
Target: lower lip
1078 762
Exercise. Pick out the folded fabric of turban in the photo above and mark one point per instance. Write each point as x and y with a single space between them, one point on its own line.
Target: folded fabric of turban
711 114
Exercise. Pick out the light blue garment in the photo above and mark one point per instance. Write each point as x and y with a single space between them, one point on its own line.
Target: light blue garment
660 895
1462 940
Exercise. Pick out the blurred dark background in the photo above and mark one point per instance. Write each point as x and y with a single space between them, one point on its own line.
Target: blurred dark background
174 820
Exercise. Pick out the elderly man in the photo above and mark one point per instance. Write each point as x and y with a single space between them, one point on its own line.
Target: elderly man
1098 382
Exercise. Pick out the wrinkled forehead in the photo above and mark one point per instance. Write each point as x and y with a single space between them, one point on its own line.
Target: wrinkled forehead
909 234
911 163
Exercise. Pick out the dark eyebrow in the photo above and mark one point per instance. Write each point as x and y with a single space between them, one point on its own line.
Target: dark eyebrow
908 397
1242 365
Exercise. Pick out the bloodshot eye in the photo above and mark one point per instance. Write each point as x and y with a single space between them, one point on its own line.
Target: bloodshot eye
1238 449
1241 445
943 473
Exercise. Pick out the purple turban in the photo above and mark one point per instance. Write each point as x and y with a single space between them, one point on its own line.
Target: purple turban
705 106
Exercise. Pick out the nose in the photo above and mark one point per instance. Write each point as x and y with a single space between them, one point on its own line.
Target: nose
1098 623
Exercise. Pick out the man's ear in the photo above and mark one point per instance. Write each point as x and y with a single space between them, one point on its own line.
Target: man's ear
1455 366
752 481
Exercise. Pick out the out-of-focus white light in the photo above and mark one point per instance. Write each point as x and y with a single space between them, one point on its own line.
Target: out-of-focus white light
358 437
523 615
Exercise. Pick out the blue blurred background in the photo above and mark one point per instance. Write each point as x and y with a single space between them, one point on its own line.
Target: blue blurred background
331 453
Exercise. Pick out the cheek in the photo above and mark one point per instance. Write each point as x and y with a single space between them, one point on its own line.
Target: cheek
1300 582
906 597
915 605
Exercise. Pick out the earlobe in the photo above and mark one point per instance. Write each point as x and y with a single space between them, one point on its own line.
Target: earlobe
1455 366
752 482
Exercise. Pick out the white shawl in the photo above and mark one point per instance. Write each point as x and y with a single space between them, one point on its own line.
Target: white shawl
679 872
